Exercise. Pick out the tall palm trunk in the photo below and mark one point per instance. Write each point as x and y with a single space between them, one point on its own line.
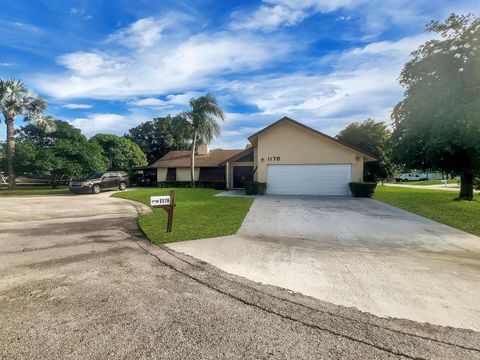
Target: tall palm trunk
10 153
192 163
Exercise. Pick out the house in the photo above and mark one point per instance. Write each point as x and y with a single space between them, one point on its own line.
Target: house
292 158
175 165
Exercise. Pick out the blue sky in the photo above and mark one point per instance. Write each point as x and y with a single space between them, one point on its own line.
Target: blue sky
109 65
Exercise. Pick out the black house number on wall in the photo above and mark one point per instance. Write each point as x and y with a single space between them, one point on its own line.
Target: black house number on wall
273 158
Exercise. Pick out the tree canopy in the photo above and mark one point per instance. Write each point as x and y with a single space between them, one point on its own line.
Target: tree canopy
437 124
62 153
373 137
161 135
121 153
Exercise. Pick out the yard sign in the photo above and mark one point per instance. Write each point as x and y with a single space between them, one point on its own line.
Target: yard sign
168 204
159 200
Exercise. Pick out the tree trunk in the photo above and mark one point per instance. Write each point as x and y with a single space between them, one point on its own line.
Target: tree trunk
11 153
466 186
192 170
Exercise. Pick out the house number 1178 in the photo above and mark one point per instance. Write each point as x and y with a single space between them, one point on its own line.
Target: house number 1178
273 158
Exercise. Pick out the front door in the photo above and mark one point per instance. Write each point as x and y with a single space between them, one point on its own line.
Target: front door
240 175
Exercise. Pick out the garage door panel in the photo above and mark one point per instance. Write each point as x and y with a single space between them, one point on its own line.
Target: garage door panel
321 179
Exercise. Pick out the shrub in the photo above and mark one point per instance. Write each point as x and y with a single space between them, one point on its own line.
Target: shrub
255 188
362 189
476 183
217 185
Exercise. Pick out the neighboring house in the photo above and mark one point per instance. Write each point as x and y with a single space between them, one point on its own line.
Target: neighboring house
290 157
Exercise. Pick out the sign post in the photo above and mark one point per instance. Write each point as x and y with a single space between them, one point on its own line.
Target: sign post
168 204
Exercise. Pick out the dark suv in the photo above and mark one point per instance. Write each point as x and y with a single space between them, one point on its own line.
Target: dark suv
95 183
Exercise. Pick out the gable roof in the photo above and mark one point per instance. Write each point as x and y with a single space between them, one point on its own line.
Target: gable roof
176 159
239 155
370 156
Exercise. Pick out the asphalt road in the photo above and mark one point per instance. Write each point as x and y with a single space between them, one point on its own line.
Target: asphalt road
79 286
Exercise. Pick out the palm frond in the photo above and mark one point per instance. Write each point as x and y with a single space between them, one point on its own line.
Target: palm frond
16 99
34 106
204 114
47 123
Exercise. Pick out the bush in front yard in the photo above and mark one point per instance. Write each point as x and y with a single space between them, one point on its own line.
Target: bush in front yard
255 188
362 189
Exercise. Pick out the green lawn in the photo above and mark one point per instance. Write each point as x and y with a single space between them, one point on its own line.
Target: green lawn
35 191
429 182
198 214
436 205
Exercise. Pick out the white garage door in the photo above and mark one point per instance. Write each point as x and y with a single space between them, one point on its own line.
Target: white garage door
326 179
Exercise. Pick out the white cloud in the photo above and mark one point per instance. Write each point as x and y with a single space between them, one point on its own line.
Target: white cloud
96 123
6 64
404 45
172 100
88 64
108 123
77 106
372 17
26 27
319 5
270 18
145 32
151 102
278 13
169 67
79 12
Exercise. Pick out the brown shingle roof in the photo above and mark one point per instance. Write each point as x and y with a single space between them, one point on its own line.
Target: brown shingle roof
182 158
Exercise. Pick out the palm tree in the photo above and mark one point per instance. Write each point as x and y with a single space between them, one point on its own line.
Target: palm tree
203 117
15 100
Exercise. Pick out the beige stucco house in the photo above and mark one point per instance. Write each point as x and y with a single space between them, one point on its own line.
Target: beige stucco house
289 157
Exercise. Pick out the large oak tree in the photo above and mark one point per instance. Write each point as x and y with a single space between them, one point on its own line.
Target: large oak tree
62 153
120 152
437 124
161 135
373 137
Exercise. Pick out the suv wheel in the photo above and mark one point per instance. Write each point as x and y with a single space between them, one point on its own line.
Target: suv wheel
122 186
96 189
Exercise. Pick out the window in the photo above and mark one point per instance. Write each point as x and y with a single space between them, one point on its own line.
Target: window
212 174
171 174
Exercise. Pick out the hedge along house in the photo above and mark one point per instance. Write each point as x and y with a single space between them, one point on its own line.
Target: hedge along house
291 158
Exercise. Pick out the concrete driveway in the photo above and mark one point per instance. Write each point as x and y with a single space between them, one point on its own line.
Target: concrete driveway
78 280
355 252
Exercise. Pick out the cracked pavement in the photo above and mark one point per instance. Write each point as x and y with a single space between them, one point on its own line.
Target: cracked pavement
79 286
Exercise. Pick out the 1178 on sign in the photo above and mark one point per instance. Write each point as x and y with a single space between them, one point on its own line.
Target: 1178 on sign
159 200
